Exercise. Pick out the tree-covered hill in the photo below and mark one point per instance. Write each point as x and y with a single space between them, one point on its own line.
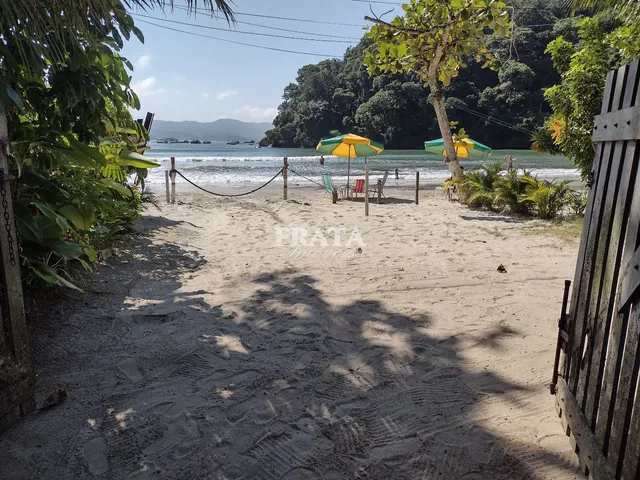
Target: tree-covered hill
501 107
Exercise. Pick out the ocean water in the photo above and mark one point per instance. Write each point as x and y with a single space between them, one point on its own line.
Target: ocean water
239 165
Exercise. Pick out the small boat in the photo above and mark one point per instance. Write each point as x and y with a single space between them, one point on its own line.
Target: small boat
196 142
235 142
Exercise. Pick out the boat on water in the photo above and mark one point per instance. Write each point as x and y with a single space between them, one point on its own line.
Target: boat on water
235 142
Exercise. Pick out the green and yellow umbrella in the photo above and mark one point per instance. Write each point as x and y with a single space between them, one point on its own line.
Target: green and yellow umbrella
463 146
349 146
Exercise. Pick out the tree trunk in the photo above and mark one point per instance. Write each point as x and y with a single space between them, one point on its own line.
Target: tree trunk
437 100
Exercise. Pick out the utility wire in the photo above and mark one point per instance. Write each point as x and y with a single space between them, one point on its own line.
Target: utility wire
235 42
271 27
287 19
258 34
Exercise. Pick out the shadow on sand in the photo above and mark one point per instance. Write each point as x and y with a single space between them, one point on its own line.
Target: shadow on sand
283 385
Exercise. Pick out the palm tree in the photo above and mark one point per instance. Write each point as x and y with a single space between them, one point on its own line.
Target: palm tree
34 28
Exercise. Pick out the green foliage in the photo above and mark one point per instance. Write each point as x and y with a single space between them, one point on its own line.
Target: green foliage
73 141
510 192
395 109
477 186
603 42
517 193
435 39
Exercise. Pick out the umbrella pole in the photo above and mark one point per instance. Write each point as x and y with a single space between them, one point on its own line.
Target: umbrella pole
366 188
349 173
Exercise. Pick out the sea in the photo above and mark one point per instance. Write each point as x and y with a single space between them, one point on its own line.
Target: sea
247 165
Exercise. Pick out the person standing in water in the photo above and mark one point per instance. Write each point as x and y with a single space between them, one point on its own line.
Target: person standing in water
322 160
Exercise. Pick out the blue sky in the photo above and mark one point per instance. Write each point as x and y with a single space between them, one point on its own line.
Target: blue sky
184 77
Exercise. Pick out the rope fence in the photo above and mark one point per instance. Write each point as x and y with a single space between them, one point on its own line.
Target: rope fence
227 194
170 180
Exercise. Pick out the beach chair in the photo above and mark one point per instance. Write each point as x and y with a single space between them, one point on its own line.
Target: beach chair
358 188
327 181
378 188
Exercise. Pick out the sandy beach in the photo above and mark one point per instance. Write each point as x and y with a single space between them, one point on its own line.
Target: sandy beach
258 338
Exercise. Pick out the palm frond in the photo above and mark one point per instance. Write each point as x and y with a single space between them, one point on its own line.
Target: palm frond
34 30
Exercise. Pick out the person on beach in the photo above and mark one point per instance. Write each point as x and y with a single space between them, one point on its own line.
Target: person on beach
322 160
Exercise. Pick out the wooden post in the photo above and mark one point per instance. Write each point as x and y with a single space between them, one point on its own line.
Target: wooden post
379 190
334 196
16 397
173 180
285 174
166 185
366 188
417 187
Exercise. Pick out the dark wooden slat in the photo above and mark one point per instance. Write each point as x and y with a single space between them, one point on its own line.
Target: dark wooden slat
612 260
624 443
632 83
578 334
610 386
607 94
587 448
579 271
600 264
619 89
630 280
618 125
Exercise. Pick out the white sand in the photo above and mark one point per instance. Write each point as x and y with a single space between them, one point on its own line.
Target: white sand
216 346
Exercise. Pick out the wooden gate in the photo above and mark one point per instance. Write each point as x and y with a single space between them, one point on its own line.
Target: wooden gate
597 381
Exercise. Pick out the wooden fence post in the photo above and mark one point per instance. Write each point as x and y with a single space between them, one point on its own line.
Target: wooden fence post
285 175
417 187
16 392
366 187
173 180
379 190
166 185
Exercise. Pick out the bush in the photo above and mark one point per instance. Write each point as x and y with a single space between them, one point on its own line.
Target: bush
517 193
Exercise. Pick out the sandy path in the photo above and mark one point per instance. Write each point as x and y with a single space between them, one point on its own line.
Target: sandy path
215 345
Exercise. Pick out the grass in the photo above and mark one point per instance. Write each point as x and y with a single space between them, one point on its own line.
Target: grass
568 230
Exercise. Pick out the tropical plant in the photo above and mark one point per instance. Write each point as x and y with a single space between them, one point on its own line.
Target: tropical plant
66 97
435 39
477 187
510 192
547 198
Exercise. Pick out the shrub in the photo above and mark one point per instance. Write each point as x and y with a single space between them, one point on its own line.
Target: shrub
510 192
547 198
477 188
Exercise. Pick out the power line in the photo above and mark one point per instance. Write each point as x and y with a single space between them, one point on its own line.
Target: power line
270 27
258 34
287 19
235 42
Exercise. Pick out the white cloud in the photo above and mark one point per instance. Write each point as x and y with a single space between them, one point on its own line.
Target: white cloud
147 87
226 94
256 114
143 62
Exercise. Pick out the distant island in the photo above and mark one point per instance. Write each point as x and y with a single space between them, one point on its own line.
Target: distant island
222 130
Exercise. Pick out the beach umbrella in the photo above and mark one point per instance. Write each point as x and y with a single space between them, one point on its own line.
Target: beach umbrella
463 145
349 146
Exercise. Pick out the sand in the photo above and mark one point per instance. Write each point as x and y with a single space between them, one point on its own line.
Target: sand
264 339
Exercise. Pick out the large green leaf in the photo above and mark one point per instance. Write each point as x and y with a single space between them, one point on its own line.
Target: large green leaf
49 275
81 218
133 159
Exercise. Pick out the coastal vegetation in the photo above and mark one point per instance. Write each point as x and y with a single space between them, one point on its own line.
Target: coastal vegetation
65 96
519 193
433 40
500 106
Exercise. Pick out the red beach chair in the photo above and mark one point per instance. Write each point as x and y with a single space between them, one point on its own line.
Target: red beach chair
358 188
